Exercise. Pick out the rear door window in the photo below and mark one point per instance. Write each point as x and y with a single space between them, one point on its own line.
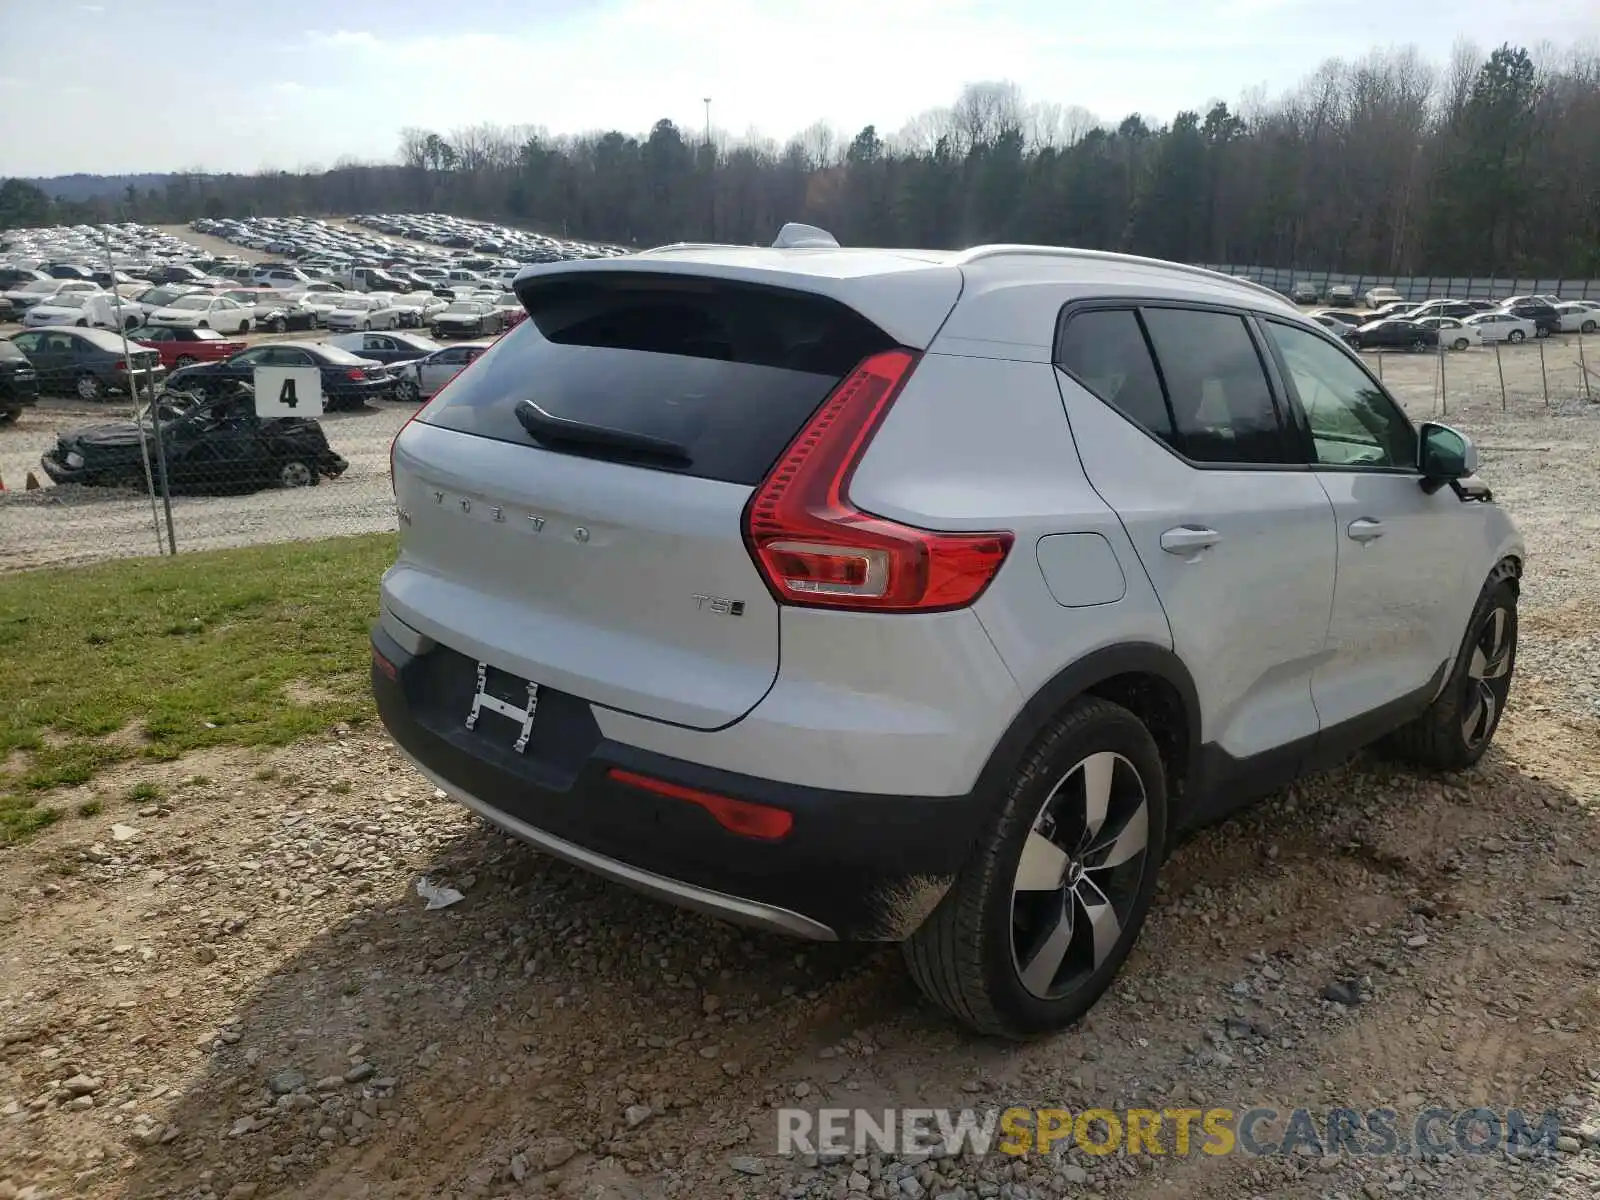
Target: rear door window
1105 351
1217 387
730 372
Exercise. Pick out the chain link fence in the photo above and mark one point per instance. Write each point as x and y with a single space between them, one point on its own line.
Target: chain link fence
1416 287
107 461
211 473
116 441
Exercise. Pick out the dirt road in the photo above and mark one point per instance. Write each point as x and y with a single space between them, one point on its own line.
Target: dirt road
244 996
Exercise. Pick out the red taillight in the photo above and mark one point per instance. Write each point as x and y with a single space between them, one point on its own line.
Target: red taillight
814 548
356 373
738 816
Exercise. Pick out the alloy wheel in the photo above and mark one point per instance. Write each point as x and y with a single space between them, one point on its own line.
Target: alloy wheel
1078 876
1488 677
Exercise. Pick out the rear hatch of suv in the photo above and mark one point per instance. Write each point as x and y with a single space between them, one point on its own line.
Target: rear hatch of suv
572 506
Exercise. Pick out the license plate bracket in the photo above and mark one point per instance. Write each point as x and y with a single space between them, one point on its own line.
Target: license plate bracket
521 710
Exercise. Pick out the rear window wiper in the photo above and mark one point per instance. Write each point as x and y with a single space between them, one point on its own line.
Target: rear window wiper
547 427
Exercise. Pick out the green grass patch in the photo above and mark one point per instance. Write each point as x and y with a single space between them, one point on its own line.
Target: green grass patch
195 651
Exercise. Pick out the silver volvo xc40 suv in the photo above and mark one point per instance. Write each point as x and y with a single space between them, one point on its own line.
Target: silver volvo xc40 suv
925 596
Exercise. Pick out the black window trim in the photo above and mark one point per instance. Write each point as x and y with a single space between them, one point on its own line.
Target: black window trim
1303 420
1295 435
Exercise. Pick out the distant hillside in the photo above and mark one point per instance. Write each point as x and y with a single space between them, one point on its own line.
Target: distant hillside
88 187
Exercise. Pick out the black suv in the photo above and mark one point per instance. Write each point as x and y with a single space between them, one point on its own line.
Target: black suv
1544 316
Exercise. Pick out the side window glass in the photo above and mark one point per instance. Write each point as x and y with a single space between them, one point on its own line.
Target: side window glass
1105 351
1353 423
28 343
1221 403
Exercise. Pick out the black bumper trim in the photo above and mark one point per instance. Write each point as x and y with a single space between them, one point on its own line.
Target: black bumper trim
864 866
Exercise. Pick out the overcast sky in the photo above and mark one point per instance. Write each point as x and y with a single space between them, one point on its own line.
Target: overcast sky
155 85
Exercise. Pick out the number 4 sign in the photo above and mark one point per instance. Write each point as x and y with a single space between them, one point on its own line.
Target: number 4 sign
288 392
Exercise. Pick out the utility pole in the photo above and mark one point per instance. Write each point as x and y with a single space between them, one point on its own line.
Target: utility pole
711 178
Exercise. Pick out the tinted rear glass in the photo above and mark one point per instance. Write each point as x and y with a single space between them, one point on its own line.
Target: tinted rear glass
729 372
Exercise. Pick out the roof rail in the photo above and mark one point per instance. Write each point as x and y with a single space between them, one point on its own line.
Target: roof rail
670 247
979 253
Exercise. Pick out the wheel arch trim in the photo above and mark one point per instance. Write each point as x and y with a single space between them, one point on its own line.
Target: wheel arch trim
1080 678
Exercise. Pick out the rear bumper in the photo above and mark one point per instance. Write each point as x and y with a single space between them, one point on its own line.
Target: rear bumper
855 866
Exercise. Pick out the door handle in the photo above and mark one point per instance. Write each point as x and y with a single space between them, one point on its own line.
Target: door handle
1189 539
1365 529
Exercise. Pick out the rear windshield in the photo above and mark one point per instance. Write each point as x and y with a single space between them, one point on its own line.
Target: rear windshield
730 372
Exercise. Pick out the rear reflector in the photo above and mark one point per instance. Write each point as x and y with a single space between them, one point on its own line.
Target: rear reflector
814 548
737 816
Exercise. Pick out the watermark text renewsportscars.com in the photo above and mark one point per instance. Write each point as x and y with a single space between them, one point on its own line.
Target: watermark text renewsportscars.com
1259 1131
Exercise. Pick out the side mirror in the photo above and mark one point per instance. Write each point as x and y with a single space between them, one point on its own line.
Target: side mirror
1445 454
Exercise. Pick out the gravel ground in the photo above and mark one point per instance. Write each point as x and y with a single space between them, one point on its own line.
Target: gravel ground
239 993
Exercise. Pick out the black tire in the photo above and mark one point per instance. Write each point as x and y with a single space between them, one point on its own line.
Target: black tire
1516 337
1458 726
244 328
1539 331
89 387
184 360
1418 346
277 325
1460 344
1588 327
966 956
8 415
406 391
82 323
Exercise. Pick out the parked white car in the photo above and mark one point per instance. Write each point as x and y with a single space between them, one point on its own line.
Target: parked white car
423 377
418 308
42 290
1578 317
96 310
201 311
1453 334
1503 327
154 299
1379 296
371 311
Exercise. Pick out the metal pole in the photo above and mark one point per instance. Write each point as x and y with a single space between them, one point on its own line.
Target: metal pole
1502 371
1544 377
1444 391
708 120
161 464
1380 366
1583 368
133 396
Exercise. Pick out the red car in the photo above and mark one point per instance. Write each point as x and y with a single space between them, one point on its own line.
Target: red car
180 347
